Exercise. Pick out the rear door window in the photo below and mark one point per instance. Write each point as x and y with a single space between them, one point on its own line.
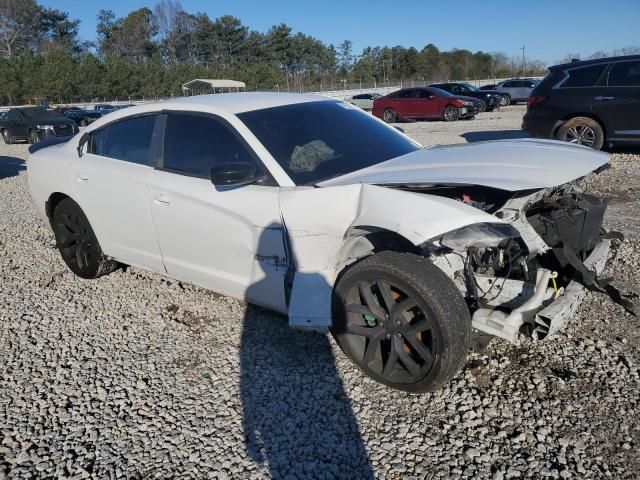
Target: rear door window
584 76
129 140
625 74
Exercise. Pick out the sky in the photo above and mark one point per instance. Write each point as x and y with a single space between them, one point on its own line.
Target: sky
549 29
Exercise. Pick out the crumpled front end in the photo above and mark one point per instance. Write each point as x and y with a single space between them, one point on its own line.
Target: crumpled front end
527 276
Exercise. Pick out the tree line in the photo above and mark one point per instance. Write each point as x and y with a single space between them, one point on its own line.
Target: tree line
152 52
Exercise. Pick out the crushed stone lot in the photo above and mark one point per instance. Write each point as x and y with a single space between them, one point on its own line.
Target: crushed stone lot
138 376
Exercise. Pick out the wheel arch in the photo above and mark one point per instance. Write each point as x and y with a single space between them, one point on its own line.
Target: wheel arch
360 241
53 201
572 115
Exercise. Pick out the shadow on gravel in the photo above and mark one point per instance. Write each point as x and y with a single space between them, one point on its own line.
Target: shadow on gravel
486 135
297 417
11 166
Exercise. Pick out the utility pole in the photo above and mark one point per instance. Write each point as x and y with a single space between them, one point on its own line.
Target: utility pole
522 60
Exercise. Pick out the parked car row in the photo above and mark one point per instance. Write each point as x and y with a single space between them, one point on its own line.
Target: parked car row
36 123
426 103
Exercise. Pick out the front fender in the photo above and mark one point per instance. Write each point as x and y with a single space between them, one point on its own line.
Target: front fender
318 222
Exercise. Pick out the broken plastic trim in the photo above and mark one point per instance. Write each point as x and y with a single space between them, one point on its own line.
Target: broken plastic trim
478 235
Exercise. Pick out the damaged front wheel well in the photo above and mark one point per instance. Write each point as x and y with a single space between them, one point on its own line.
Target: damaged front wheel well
363 241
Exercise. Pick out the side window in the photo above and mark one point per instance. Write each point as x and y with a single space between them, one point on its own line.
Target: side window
425 93
194 143
98 142
404 94
130 140
625 74
508 84
358 97
415 93
584 77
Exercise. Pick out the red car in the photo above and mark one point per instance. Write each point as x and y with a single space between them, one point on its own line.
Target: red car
423 102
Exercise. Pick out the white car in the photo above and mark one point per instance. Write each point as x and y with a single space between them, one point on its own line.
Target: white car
308 206
363 100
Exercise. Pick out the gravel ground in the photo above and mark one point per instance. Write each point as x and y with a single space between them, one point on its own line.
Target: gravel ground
137 376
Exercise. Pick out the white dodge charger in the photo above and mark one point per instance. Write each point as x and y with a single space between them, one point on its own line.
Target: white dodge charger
308 206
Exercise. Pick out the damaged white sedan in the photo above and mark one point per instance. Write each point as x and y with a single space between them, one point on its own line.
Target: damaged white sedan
313 208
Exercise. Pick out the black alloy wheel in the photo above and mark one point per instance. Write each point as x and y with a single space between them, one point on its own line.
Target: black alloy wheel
402 321
77 242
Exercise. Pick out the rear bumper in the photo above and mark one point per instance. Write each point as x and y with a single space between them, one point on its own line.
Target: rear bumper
537 126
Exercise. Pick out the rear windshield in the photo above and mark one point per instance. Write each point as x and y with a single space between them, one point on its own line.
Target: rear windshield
316 141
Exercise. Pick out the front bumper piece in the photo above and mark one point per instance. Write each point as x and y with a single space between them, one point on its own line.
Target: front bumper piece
545 310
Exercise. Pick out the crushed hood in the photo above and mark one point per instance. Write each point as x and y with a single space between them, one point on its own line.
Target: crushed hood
510 165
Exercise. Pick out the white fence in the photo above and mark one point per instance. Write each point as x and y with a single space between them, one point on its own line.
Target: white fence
344 93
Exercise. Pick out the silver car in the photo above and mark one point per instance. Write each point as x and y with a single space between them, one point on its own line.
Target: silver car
363 100
517 90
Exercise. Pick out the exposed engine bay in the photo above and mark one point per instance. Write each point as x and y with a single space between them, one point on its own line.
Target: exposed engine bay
525 276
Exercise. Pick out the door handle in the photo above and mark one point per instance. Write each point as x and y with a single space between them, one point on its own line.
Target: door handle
162 200
603 99
83 177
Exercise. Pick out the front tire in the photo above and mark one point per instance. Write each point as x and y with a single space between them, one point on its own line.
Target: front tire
33 137
450 114
7 137
402 321
582 131
505 100
77 243
389 115
482 107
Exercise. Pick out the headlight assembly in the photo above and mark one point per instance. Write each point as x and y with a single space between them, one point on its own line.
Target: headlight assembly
478 235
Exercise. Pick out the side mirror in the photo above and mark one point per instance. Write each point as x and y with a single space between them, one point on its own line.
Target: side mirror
82 142
234 174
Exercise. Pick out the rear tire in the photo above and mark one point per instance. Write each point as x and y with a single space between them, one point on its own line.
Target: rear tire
582 131
402 321
505 100
450 113
389 115
83 123
77 243
482 107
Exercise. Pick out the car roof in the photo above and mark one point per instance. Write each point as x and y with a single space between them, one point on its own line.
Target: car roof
246 101
582 63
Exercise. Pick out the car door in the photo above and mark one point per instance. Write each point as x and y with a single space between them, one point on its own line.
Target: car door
21 125
510 88
405 103
618 103
228 239
429 104
110 185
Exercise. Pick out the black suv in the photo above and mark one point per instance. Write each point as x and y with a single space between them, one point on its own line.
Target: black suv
490 98
35 123
592 103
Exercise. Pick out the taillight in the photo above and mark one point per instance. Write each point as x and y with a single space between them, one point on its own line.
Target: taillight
534 100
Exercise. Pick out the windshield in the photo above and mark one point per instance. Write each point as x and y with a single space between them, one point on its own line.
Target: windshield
470 87
316 141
